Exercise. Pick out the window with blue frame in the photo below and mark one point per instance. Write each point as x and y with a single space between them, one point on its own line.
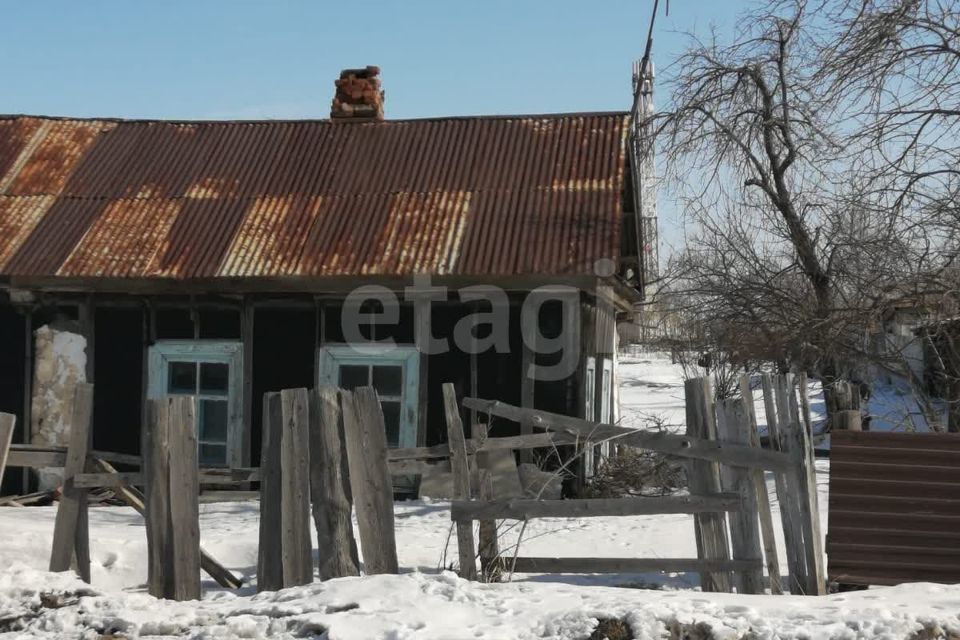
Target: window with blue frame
393 372
211 371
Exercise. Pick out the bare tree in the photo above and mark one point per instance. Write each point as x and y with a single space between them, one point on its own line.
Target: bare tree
816 201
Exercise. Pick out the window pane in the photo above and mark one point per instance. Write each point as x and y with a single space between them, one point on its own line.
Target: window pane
391 419
353 376
212 455
183 378
214 378
388 380
213 421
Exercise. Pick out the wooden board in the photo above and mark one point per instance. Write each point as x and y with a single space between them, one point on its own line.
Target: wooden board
704 478
460 466
522 509
744 525
796 566
531 441
366 440
156 451
330 488
74 499
183 546
269 554
763 496
295 488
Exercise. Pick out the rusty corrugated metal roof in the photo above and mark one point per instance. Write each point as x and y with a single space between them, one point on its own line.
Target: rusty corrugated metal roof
894 508
466 196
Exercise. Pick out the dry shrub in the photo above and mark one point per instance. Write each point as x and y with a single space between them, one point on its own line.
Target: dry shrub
636 472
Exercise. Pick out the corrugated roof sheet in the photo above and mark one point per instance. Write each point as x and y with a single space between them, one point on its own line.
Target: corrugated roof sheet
466 196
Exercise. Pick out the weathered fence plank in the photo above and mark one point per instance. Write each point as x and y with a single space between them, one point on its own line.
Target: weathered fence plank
801 449
171 509
7 423
270 554
669 443
744 527
763 496
704 478
156 452
284 558
530 441
295 488
184 518
68 533
522 509
366 439
491 565
632 565
330 488
461 480
786 492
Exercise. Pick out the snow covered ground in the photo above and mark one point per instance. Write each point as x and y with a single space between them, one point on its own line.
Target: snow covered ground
426 601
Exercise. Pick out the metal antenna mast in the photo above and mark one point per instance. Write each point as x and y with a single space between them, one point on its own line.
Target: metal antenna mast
641 144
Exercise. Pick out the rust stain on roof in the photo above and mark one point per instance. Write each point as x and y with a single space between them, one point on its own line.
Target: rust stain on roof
470 196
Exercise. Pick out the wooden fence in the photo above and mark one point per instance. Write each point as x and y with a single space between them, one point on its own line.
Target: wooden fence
326 449
725 464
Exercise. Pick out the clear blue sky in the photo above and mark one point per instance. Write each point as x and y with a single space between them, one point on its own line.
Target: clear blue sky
278 59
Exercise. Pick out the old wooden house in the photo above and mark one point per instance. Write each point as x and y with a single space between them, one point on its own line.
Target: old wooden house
214 259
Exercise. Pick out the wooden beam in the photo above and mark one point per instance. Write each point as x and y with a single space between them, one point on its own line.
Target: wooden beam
631 565
523 509
460 466
744 525
763 496
295 488
330 487
668 443
70 521
531 441
183 544
785 495
704 477
366 441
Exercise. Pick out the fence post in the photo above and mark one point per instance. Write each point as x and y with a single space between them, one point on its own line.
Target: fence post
285 551
801 450
763 496
7 423
330 488
744 530
269 553
490 563
172 499
71 533
366 438
460 466
704 478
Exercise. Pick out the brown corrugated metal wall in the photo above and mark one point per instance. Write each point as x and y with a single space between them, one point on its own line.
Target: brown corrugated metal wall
894 508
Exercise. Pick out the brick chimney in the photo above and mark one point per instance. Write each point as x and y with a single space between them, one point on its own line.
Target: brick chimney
358 95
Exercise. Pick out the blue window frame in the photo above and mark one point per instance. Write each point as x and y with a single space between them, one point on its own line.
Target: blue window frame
394 372
212 371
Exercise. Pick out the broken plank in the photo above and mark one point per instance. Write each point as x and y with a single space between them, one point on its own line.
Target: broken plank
668 443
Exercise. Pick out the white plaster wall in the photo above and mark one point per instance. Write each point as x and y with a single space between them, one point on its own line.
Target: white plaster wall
60 363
